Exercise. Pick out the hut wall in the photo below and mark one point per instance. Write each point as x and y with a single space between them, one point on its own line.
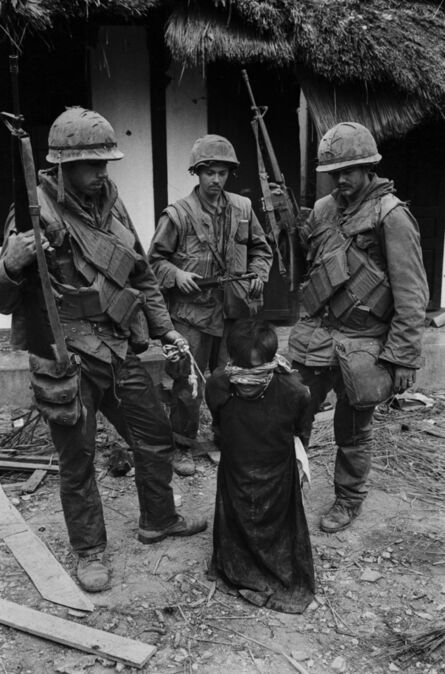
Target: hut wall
120 85
186 120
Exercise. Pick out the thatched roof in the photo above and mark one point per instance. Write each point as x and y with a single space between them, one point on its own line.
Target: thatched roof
383 60
18 17
392 51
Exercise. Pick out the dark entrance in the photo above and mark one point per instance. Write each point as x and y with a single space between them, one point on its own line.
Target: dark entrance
53 75
229 114
416 163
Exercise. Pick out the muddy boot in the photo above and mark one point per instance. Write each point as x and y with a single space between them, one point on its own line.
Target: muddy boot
183 462
92 573
339 517
183 527
120 461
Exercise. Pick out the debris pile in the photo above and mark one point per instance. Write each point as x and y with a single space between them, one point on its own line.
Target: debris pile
406 648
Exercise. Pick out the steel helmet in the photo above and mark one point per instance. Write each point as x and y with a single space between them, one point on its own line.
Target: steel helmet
211 148
347 144
79 134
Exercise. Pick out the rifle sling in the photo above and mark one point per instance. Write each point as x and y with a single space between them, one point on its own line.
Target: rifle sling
59 347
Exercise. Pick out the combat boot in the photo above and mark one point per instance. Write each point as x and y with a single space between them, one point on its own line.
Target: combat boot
183 462
182 527
339 517
92 573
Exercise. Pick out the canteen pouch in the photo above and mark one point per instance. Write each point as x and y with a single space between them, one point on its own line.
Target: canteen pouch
368 382
56 389
325 278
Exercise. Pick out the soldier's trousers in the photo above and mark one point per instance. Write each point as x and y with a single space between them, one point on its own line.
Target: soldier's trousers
123 391
352 431
208 351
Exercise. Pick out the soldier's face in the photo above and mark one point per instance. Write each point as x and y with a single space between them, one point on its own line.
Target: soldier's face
86 178
212 179
351 180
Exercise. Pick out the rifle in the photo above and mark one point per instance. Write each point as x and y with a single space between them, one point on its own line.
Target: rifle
279 203
218 281
25 180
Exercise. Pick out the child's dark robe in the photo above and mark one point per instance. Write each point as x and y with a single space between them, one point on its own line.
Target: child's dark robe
261 542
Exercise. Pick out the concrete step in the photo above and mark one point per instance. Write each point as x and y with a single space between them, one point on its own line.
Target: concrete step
15 389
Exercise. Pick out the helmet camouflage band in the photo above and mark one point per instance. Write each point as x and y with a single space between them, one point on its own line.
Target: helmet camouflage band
79 134
212 148
347 144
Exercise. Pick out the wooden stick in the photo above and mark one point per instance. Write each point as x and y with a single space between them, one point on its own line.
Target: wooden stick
275 649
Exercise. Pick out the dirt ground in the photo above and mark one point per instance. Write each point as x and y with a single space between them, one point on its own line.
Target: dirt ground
385 574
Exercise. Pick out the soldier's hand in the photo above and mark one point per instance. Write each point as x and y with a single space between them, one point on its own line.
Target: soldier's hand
256 287
175 337
21 251
185 282
404 378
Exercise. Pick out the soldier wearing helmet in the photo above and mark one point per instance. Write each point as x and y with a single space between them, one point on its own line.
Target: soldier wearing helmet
104 287
364 303
209 233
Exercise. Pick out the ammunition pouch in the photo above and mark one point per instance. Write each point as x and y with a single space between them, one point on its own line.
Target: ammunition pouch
367 381
102 297
368 286
329 274
56 389
105 253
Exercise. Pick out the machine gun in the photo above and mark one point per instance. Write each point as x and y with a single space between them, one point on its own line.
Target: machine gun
283 214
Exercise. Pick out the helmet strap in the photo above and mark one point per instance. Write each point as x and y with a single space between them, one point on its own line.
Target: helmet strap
60 185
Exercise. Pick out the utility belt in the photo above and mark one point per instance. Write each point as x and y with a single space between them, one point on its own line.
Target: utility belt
101 297
348 280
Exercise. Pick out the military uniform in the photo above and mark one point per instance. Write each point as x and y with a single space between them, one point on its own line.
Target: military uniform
194 235
113 379
366 282
108 300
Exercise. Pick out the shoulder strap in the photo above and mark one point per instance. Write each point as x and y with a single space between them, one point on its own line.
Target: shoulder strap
387 204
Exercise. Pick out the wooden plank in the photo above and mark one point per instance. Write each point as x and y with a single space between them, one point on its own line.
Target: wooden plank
130 652
28 457
24 466
11 522
34 481
49 577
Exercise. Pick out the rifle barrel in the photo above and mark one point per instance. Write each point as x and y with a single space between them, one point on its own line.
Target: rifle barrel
277 175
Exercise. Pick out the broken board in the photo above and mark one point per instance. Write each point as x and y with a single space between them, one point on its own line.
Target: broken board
27 465
130 652
49 577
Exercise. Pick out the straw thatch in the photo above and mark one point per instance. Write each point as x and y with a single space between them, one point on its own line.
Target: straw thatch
388 113
394 42
18 17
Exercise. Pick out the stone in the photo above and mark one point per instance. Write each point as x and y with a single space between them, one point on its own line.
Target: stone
339 664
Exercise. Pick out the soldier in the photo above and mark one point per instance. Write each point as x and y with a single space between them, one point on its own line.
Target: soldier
209 233
100 277
364 301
